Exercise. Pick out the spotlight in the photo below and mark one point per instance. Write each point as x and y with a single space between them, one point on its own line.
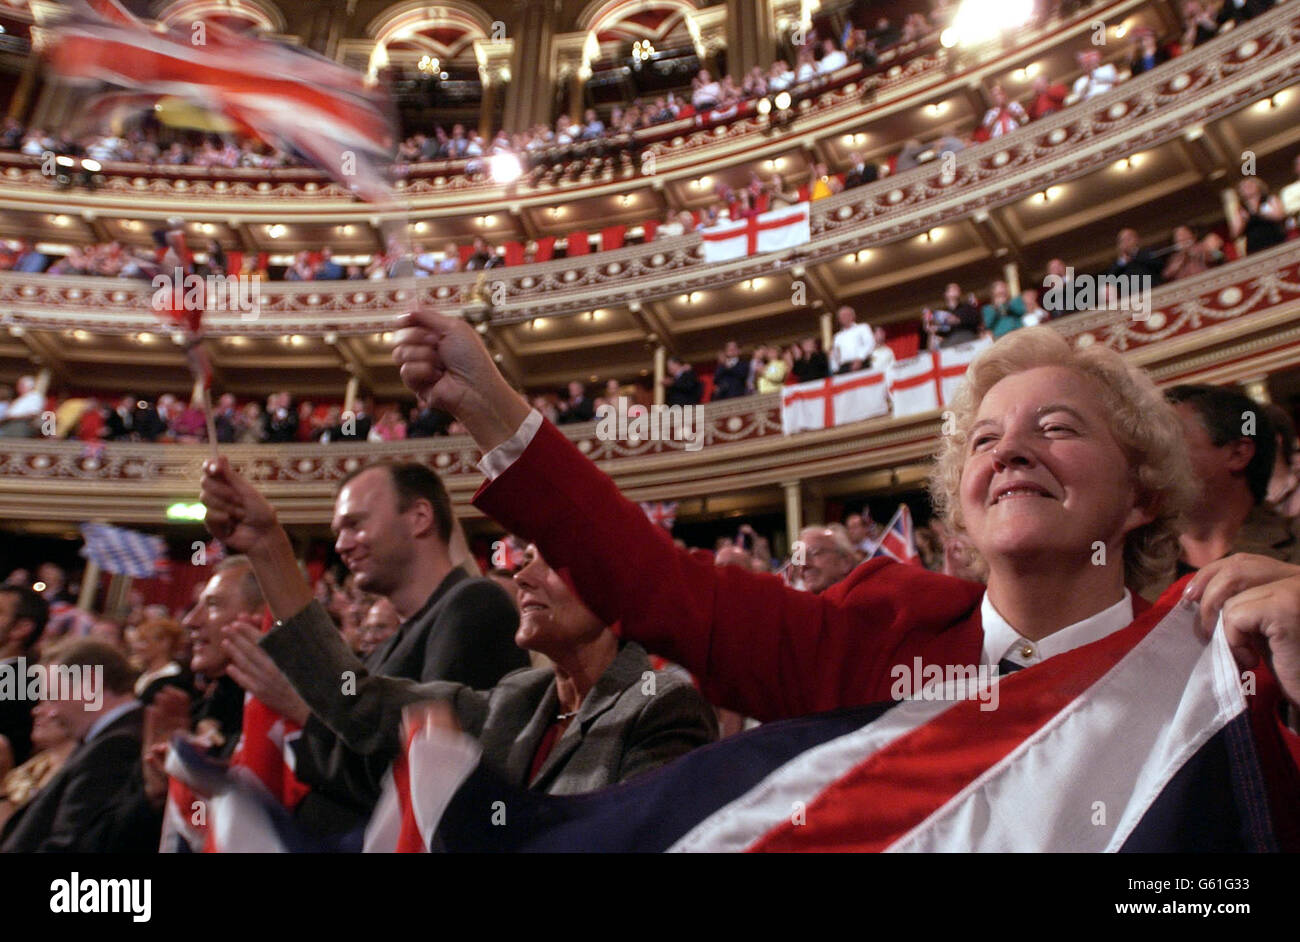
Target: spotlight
504 168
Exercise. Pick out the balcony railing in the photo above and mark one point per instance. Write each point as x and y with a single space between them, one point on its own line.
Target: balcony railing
1228 324
679 147
1207 83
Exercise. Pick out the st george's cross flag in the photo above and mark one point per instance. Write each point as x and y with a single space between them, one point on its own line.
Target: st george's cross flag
930 381
766 232
1140 741
835 400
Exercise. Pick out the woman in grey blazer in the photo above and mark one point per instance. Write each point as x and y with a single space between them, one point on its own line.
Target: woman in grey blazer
598 716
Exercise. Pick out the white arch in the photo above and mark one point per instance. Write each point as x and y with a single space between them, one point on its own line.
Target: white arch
265 15
601 13
409 17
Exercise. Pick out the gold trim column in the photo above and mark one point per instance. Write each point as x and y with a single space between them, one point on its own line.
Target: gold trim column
793 509
661 371
531 92
751 36
89 586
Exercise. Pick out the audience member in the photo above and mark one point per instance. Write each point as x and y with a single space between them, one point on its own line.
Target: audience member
681 386
852 344
1003 313
1097 79
731 376
1259 216
823 557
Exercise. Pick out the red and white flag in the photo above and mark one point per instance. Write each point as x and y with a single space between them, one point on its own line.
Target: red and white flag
899 539
931 380
290 97
661 513
768 232
836 400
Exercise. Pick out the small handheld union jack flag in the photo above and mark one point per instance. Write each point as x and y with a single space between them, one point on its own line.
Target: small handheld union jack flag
899 541
661 513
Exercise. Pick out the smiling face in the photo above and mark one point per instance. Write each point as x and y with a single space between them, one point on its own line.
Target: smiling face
148 645
372 536
1044 477
221 602
552 619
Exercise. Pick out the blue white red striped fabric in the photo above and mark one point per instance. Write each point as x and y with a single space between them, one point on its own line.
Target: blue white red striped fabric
1139 741
122 551
292 98
899 539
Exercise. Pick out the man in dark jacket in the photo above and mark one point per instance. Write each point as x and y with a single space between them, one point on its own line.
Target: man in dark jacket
731 378
683 386
75 811
393 526
23 614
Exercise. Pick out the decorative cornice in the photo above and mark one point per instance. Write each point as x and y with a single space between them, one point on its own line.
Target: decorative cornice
1231 323
1207 83
682 148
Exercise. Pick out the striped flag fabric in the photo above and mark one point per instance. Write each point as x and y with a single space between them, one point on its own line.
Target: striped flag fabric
930 381
292 98
124 552
898 541
767 232
965 762
661 513
836 400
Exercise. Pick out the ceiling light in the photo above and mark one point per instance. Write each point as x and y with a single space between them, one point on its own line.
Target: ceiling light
276 231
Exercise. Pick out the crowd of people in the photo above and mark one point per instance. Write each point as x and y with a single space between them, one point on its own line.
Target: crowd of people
1068 440
280 419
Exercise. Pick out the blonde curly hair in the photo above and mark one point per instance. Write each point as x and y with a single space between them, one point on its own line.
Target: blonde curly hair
1145 426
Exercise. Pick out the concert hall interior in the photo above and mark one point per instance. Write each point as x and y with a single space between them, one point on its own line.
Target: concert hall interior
599 386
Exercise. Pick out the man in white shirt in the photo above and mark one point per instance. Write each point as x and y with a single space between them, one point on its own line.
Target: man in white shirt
1290 194
20 420
853 344
831 59
1097 79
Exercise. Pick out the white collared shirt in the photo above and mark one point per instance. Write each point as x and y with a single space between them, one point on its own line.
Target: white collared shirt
852 343
109 716
1003 641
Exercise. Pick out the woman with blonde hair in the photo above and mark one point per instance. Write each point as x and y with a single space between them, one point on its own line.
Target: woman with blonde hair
1066 472
153 646
1258 216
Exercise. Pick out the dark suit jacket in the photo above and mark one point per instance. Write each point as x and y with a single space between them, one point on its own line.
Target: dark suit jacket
731 381
621 730
16 721
464 633
685 390
857 176
75 811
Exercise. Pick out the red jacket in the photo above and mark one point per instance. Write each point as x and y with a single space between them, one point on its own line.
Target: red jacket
756 645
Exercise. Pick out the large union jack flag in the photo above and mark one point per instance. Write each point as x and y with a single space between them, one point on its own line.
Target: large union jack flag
292 98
